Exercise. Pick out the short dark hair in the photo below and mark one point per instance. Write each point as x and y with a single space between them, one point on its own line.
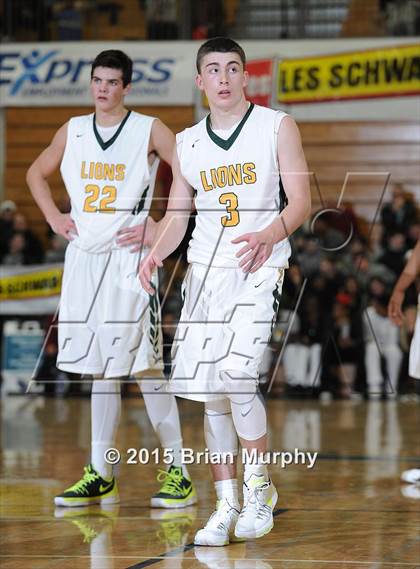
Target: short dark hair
220 45
115 59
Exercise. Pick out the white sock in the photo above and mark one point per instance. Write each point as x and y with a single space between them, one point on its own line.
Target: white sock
228 489
257 469
105 417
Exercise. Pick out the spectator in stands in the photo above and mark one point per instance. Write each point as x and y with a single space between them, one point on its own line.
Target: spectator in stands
312 337
7 214
16 250
393 256
348 336
328 237
293 281
309 257
162 20
365 270
332 280
377 289
57 250
383 353
207 19
351 288
343 220
412 235
33 252
398 215
69 21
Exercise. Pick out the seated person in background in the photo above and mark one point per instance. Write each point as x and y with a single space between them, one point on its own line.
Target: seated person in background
383 353
57 250
34 251
398 215
15 255
7 213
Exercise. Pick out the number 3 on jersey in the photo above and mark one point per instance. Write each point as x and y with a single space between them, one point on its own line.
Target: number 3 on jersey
108 196
231 202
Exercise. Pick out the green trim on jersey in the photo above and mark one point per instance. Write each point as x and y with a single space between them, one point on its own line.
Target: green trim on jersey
139 207
226 144
108 143
154 323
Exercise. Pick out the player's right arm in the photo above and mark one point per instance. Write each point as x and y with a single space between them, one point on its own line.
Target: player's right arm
408 276
172 227
39 172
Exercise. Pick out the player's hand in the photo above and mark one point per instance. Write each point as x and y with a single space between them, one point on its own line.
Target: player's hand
394 308
258 248
139 236
146 270
62 224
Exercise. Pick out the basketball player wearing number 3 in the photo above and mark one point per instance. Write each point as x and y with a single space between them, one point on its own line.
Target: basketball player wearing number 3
244 166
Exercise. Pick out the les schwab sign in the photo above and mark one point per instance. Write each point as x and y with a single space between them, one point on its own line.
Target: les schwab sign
384 72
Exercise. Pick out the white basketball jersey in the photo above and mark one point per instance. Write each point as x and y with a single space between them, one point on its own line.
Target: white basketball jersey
237 185
110 183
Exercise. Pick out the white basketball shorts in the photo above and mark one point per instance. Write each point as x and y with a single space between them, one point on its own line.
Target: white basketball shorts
108 325
225 325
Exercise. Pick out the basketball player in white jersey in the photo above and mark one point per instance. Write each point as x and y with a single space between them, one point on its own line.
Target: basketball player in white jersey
108 326
230 163
407 278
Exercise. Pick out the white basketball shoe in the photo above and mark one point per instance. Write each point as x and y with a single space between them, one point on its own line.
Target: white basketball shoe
220 528
256 517
411 476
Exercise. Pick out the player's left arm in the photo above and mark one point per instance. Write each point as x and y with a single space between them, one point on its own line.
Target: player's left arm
162 143
295 178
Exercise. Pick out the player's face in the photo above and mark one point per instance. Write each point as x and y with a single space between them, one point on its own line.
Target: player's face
222 78
107 88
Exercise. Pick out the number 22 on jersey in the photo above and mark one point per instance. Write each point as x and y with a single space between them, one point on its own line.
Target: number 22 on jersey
99 200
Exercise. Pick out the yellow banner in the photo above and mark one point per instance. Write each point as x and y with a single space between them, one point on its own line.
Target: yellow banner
385 72
37 284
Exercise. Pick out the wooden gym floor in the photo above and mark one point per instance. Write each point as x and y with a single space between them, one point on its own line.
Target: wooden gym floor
349 511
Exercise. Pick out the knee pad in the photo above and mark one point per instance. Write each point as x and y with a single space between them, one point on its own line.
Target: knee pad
248 409
219 430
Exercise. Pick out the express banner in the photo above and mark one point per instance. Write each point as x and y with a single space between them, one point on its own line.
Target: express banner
386 72
59 73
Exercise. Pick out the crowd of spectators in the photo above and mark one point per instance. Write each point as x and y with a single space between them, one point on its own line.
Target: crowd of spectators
341 340
332 333
19 245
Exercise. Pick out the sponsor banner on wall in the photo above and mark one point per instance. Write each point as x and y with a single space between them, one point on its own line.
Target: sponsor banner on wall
366 78
33 289
386 72
48 74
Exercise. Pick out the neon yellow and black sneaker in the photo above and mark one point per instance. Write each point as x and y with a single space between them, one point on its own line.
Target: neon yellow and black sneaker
177 490
90 489
91 521
173 526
